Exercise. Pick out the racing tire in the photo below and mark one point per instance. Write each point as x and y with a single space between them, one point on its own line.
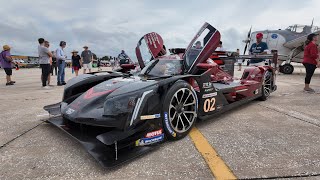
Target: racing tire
286 69
267 86
180 108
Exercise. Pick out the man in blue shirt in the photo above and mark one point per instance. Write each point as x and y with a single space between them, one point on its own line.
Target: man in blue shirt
258 48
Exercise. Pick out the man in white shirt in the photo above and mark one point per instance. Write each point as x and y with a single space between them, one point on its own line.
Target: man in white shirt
61 63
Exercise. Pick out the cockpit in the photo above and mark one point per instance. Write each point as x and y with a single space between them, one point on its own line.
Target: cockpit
302 29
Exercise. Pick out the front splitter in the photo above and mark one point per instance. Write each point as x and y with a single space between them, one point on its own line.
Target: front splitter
107 156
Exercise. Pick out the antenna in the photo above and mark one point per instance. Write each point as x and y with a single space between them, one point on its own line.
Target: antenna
312 22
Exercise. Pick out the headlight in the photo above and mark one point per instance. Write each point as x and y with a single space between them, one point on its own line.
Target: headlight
120 104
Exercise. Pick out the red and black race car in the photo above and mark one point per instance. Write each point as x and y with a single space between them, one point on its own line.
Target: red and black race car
119 115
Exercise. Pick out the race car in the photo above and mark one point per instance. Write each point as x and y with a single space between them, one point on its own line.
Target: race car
118 115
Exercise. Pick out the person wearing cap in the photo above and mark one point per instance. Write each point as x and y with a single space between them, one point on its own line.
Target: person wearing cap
310 60
258 48
61 61
76 62
6 63
86 59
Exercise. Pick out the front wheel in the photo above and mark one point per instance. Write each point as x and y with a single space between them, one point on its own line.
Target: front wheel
180 110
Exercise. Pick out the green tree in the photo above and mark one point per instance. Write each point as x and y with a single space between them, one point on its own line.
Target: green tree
105 58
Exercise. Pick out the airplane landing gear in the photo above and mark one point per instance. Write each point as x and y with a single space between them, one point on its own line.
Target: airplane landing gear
286 69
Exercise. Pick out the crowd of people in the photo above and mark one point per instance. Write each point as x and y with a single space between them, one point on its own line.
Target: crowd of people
55 61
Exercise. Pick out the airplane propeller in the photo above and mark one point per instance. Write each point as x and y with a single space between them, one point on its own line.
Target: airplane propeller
247 41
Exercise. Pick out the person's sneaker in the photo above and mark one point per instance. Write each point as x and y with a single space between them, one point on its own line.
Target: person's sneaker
46 87
59 84
13 82
9 84
63 83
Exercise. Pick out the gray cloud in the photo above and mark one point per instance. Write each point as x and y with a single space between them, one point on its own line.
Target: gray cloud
109 26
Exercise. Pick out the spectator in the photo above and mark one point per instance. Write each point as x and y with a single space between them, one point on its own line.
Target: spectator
6 63
220 47
240 61
54 63
76 62
112 62
198 45
99 64
44 61
61 61
123 58
47 45
258 48
310 59
86 59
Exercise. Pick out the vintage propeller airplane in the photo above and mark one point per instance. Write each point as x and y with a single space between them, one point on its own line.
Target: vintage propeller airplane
288 42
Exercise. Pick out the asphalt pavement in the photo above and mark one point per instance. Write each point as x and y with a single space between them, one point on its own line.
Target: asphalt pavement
277 138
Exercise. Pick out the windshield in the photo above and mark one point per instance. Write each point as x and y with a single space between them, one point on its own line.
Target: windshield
161 68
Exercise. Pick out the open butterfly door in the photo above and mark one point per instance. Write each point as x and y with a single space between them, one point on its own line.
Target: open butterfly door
201 47
153 44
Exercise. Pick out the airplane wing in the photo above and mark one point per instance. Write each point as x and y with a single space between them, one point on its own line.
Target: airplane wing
298 41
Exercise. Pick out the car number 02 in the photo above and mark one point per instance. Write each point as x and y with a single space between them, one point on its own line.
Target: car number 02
209 105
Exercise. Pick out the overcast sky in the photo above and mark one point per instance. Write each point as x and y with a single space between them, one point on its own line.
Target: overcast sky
108 26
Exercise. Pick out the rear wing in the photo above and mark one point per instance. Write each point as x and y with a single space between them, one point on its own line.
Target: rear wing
233 55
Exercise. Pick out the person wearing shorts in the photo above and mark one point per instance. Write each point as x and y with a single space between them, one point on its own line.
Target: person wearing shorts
86 59
76 62
6 64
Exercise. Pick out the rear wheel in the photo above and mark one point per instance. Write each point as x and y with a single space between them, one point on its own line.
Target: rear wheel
180 110
267 86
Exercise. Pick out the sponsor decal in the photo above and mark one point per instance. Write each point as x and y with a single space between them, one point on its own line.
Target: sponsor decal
208 90
209 95
256 91
167 123
70 111
207 85
154 133
241 90
220 106
148 141
146 117
274 36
